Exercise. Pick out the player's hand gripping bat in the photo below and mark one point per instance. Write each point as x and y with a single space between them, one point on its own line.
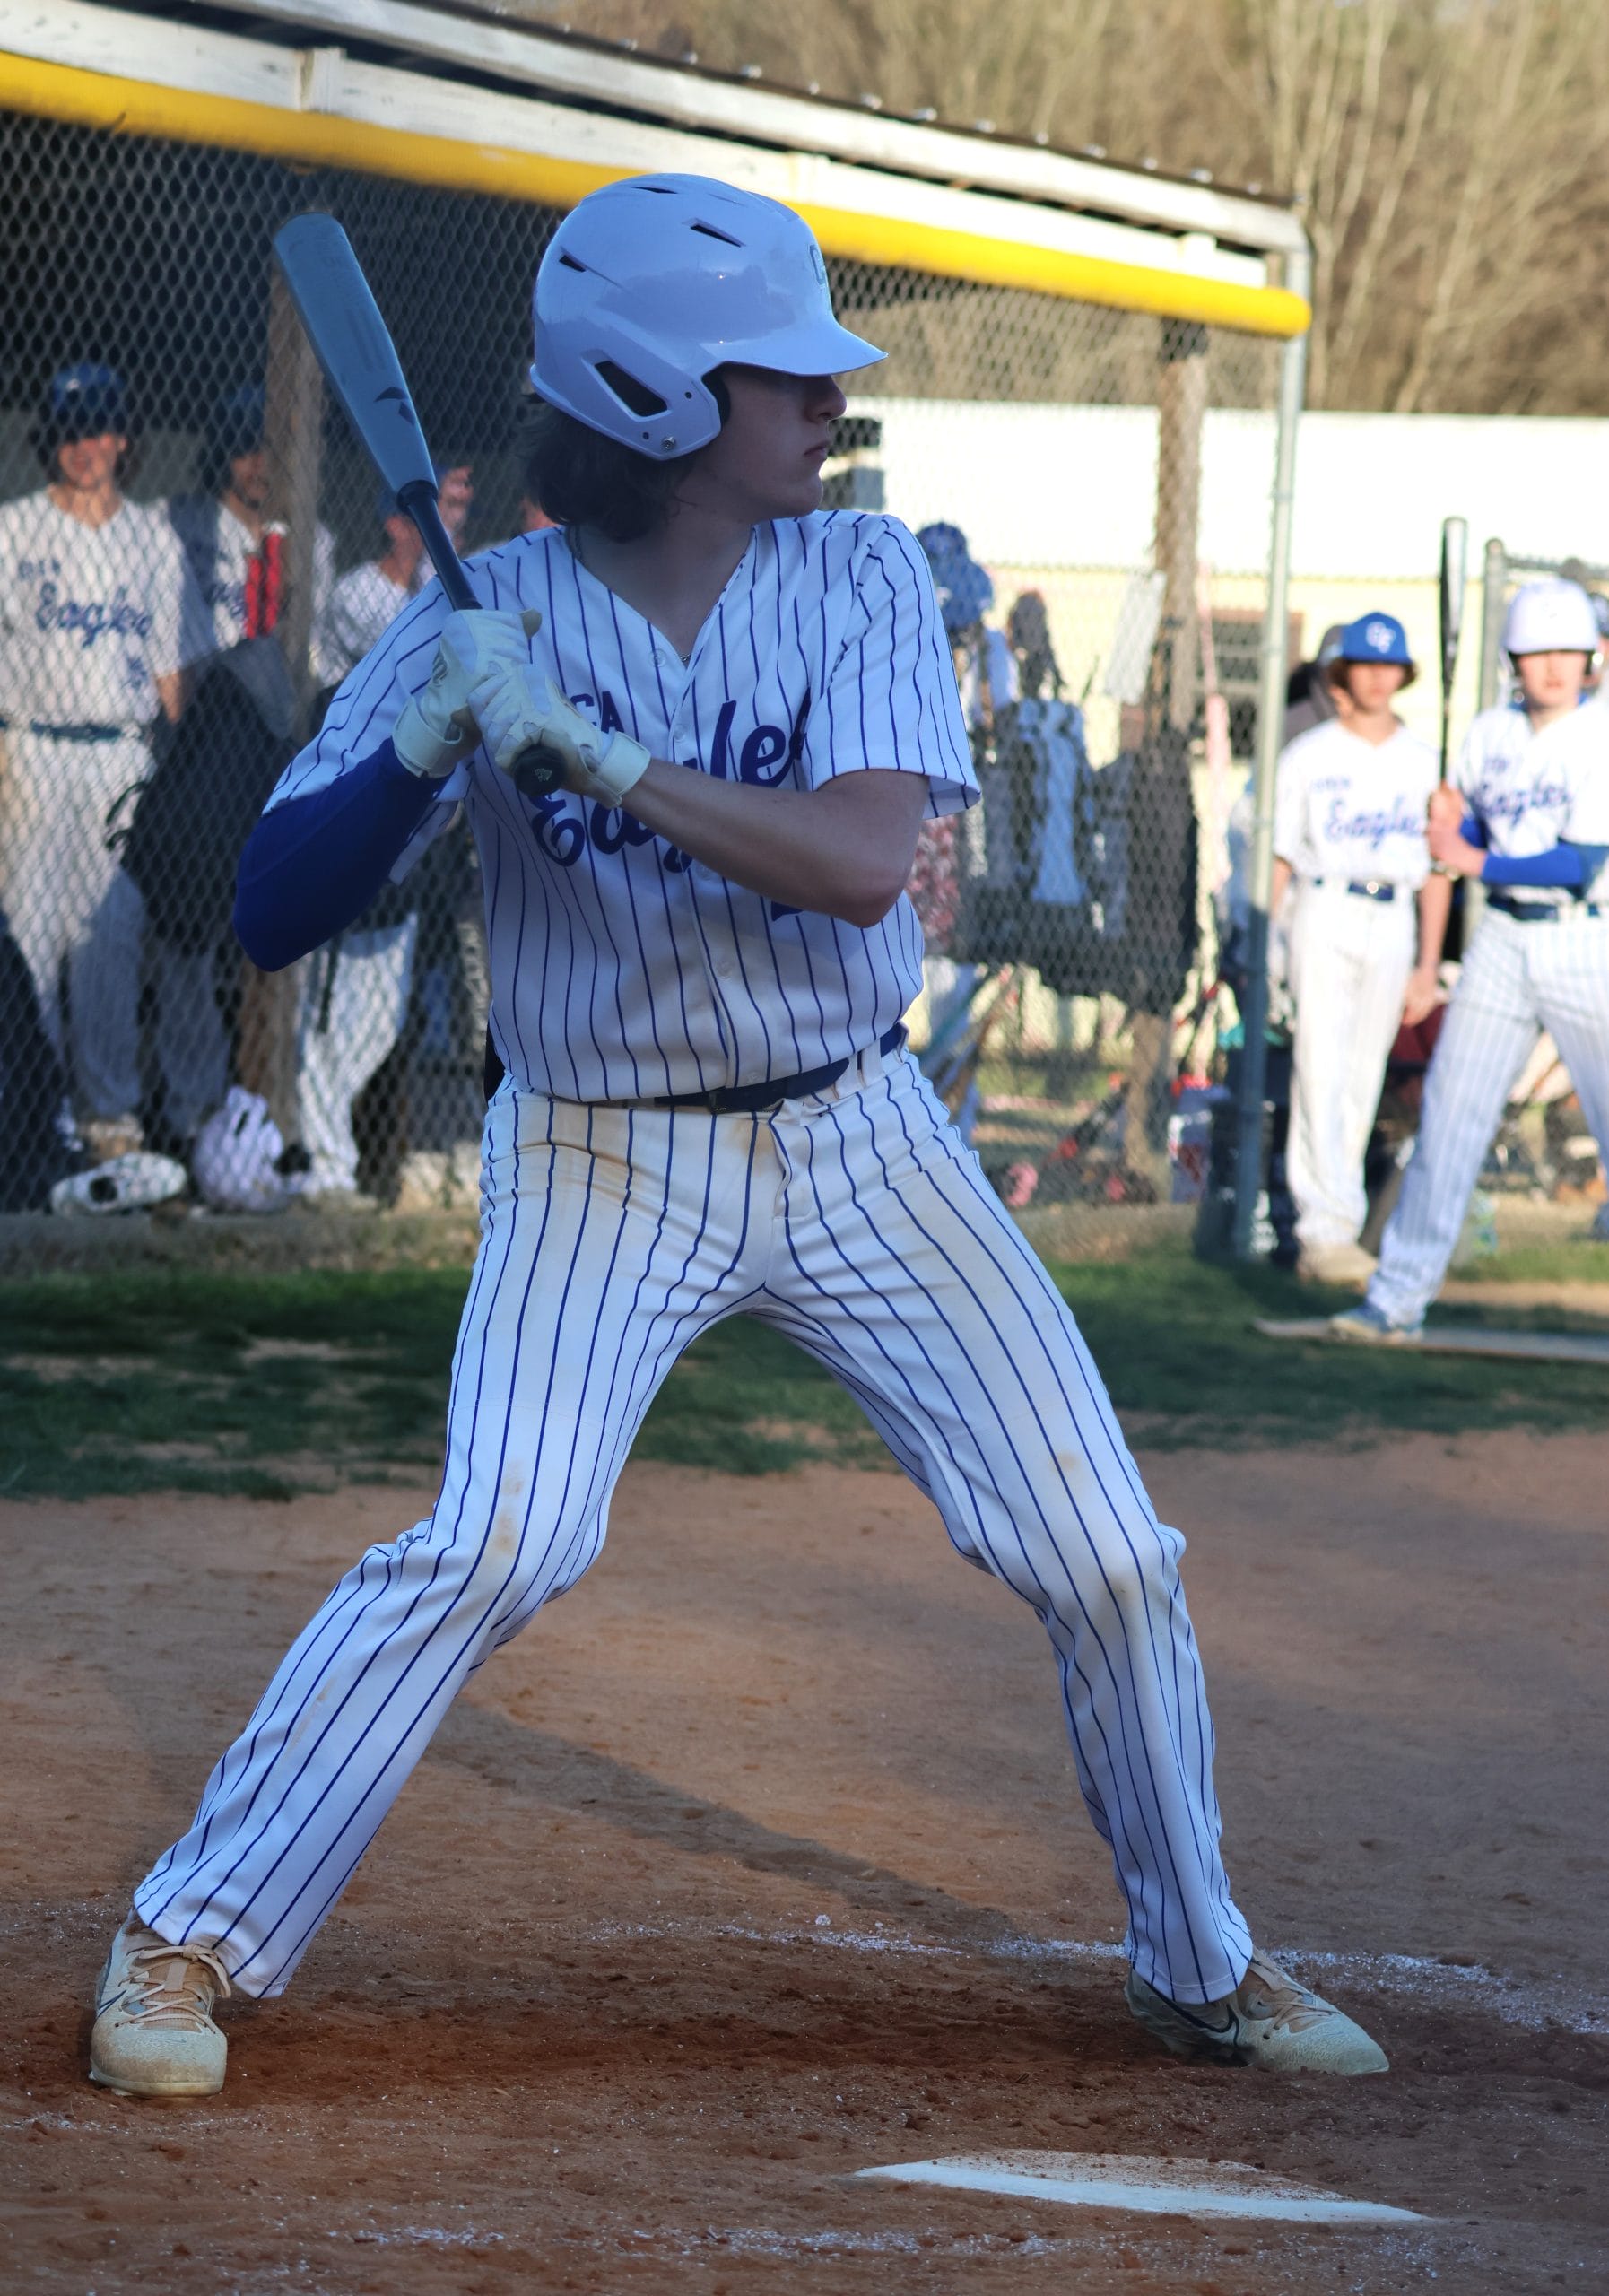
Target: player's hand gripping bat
354 348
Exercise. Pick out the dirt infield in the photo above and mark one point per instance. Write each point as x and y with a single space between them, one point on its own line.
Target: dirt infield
758 1861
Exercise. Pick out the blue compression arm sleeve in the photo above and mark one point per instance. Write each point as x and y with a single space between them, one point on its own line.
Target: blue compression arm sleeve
314 863
1573 865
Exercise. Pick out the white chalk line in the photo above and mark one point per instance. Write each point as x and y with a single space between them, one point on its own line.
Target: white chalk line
1143 2185
1531 2004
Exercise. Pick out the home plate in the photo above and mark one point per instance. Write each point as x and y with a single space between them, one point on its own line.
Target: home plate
1155 2187
1452 1339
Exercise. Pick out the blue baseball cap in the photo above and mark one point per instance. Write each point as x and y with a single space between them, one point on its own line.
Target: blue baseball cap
1377 638
84 401
234 422
965 592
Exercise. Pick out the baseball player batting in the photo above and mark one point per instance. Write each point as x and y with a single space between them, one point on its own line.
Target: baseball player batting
701 952
1528 813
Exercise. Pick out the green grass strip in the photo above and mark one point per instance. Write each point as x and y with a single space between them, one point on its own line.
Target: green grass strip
262 1386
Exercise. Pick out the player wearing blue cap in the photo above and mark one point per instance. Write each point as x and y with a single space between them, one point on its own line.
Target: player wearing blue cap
1527 816
1364 928
700 953
92 646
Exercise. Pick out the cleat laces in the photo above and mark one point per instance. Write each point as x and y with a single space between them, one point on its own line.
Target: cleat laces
152 1996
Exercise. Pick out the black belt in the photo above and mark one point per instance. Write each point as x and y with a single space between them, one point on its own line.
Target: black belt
1366 888
754 1099
1544 912
77 733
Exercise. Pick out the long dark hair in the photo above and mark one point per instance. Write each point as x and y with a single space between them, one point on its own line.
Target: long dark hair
582 479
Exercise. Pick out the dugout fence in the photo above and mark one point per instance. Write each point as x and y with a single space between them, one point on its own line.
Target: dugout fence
1106 484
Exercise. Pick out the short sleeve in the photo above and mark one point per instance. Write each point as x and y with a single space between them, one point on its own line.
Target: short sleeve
1589 818
1288 790
179 633
369 699
890 703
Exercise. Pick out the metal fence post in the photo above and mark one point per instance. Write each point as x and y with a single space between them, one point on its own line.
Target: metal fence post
1271 718
1494 584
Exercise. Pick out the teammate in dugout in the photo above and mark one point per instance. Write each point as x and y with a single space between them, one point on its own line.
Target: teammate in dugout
1365 929
1527 816
700 953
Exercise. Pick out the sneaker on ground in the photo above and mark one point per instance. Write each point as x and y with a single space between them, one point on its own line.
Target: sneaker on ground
1335 1263
1269 2020
1600 1225
1374 1329
131 1183
153 2034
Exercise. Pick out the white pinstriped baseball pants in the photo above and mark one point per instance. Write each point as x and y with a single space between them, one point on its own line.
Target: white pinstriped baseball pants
855 1223
1517 979
1349 961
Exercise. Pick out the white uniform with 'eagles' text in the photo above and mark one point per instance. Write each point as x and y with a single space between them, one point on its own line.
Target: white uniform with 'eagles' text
1548 968
1350 820
849 1217
89 618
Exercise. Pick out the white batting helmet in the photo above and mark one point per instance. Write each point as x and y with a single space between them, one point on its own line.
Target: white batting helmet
650 285
1552 616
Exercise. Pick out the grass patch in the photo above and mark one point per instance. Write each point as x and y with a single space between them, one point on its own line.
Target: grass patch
1173 1339
261 1386
1578 1261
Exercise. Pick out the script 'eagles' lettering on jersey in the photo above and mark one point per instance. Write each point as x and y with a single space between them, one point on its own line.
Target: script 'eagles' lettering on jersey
1531 790
1348 809
89 616
620 966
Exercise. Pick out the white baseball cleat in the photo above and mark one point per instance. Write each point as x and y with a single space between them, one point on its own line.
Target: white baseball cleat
1268 2020
153 2034
1368 1324
1335 1263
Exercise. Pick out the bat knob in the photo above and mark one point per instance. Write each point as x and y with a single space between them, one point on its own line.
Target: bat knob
537 772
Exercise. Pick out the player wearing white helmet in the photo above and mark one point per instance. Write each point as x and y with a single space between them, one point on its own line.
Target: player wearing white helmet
1528 816
92 616
1349 844
699 952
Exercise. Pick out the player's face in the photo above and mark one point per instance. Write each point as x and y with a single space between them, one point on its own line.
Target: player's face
248 479
453 498
88 464
1551 680
766 461
1372 684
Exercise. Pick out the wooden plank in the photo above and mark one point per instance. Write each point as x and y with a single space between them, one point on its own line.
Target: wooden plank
1450 1339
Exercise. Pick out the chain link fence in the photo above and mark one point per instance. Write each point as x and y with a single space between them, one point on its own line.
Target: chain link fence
193 553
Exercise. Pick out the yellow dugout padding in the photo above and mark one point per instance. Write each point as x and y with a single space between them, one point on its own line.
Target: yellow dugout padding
321 139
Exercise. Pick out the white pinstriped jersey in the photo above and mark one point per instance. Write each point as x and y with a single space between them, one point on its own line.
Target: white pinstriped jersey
1533 789
619 968
1354 810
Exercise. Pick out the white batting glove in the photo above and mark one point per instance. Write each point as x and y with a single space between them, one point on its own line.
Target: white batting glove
437 726
518 709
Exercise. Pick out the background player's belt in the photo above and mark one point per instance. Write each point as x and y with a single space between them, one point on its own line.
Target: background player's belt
1366 888
1544 912
752 1099
77 733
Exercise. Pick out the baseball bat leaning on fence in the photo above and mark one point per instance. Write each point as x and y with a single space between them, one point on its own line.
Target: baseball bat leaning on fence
1454 551
353 346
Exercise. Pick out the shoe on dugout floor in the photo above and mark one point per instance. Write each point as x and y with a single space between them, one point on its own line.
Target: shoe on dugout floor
1269 2020
1335 1263
153 2033
1373 1328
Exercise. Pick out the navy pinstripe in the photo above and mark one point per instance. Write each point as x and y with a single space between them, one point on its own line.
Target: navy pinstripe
611 1234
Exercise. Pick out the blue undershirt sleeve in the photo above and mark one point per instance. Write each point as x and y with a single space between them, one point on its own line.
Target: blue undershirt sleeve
1473 830
1572 865
314 863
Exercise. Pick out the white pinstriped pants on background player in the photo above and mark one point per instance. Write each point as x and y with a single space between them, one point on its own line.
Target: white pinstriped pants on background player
1517 979
856 1223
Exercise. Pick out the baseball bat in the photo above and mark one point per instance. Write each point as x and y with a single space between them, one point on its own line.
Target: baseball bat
1454 554
353 346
